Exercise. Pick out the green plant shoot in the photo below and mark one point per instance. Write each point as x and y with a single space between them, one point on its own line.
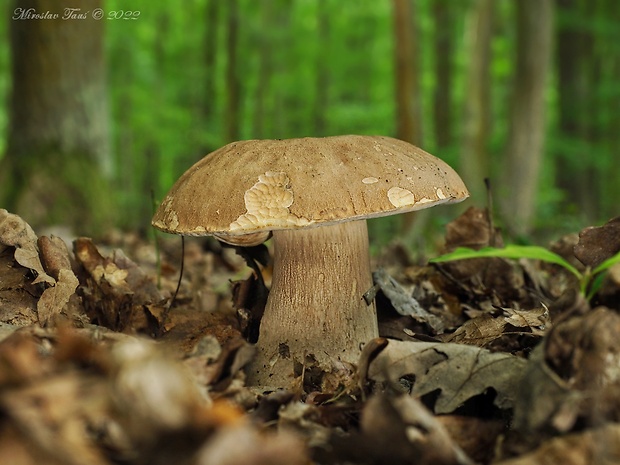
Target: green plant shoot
590 280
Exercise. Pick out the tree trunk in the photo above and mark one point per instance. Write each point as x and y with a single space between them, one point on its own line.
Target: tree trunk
610 125
265 69
233 83
527 114
210 54
58 141
444 51
474 163
575 92
322 72
407 94
406 56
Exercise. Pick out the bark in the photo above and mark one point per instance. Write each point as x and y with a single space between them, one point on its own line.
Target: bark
210 55
474 161
610 187
444 51
315 310
322 72
233 82
527 114
575 91
407 93
265 45
406 57
58 152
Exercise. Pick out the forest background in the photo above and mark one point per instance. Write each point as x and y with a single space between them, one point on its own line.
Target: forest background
100 115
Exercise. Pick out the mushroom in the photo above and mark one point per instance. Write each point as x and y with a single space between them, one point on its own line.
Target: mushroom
314 196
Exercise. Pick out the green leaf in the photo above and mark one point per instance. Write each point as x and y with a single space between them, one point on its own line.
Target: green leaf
510 251
607 264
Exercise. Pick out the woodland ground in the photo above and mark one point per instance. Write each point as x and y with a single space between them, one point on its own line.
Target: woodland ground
484 361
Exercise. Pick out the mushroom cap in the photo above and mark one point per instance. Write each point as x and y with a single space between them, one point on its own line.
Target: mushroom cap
252 187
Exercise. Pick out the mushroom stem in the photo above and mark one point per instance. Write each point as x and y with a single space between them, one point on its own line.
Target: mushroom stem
315 307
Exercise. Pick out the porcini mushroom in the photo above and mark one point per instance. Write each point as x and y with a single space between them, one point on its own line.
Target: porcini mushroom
314 195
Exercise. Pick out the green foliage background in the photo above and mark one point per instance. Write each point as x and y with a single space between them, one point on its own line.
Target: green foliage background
162 121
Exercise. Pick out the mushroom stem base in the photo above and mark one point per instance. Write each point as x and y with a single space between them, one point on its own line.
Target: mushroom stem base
315 312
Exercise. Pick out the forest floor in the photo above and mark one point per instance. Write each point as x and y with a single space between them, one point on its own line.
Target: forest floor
486 360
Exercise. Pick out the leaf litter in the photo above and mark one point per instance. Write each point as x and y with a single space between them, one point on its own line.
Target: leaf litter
488 360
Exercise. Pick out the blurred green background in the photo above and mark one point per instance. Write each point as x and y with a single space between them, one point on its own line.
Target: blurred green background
526 93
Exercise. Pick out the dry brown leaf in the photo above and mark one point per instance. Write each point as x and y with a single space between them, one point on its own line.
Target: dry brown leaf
54 255
395 430
598 243
459 371
115 291
55 298
572 378
245 445
535 320
472 229
403 302
407 429
56 415
15 232
600 446
479 331
486 328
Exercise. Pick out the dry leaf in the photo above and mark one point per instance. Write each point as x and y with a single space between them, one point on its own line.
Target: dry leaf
485 329
596 244
15 232
245 445
54 255
403 302
600 446
479 331
405 428
572 378
459 371
115 291
55 298
395 430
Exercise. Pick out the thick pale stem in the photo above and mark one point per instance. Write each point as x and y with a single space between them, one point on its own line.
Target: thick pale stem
315 306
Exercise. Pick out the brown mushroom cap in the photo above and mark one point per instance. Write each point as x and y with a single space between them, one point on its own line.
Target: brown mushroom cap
256 186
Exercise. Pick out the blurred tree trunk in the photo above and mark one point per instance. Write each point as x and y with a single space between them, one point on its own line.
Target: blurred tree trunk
574 91
610 124
210 55
407 93
233 82
406 57
58 140
443 16
321 100
527 113
474 163
265 66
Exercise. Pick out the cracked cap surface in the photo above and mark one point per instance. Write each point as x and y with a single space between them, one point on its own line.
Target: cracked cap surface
246 189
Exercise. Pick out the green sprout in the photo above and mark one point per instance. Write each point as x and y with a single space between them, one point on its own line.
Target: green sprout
590 281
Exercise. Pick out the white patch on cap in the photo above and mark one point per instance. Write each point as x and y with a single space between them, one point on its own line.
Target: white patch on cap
171 220
400 197
267 203
440 194
370 180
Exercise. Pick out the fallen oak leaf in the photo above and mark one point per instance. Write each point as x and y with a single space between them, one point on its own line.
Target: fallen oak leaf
458 371
535 320
483 330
